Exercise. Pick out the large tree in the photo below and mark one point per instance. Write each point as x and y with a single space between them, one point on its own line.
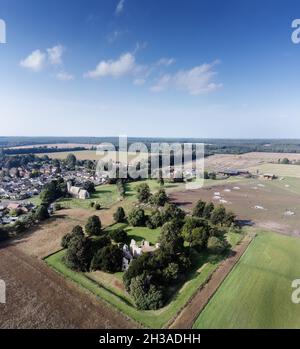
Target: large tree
79 253
119 215
143 192
108 259
93 226
137 217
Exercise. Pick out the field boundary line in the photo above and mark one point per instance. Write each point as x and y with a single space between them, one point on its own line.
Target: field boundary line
188 315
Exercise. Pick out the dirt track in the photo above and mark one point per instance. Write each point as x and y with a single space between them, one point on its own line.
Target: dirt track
37 297
189 314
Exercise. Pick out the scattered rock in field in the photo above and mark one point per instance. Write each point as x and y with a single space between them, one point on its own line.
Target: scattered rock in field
287 185
255 188
261 185
236 188
227 190
217 193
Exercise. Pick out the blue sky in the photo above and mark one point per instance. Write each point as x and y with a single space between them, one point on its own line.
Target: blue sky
193 68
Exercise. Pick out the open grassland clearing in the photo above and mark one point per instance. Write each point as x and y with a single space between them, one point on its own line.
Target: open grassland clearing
257 293
106 195
254 201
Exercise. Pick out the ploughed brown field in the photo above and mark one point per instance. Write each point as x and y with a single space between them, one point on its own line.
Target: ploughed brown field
256 202
37 296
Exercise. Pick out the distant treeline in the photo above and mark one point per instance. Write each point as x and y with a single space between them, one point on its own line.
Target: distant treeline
212 146
39 150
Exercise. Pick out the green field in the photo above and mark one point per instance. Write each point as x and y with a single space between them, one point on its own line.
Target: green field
106 195
257 293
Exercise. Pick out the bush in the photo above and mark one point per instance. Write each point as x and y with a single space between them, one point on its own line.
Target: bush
93 226
97 206
216 245
137 217
108 259
92 204
119 215
119 235
41 213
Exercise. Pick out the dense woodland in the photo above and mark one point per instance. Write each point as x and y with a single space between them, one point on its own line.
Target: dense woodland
213 146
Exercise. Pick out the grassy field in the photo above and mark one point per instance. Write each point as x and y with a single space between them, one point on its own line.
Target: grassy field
106 195
257 293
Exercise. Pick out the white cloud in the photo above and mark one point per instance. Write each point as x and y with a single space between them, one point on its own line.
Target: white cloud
165 61
35 61
195 81
139 82
55 54
124 65
64 76
120 7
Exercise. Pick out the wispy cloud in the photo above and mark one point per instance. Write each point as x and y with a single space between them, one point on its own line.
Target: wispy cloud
120 7
195 81
64 76
55 54
166 62
139 82
124 65
35 61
